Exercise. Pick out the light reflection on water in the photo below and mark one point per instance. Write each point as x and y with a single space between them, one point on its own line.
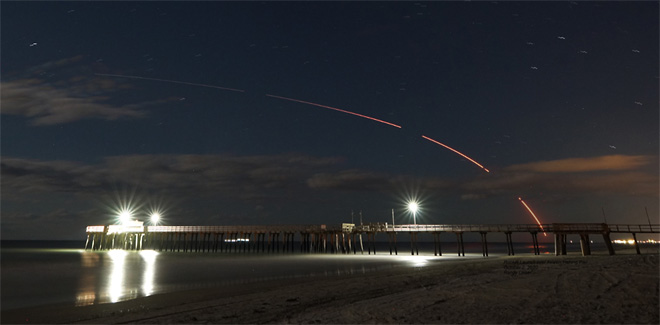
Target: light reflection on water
149 258
32 277
118 285
115 287
119 275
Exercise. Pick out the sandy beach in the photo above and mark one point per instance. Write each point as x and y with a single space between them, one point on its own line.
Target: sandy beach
532 289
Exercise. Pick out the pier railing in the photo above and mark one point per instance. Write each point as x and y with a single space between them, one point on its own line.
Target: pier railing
342 238
647 228
257 228
385 227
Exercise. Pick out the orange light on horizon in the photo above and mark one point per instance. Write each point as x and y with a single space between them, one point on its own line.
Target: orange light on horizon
533 215
456 151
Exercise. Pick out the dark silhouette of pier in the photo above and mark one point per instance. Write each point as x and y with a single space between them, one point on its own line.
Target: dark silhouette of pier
341 239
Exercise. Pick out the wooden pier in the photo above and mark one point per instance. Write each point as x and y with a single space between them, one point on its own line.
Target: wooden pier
342 239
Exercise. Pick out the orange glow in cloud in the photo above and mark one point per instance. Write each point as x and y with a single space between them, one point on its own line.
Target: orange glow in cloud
335 109
456 151
533 215
577 165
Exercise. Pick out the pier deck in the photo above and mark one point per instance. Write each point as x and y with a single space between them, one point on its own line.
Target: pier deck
344 238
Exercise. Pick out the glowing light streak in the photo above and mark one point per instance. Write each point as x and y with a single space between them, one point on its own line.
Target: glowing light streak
533 215
115 287
170 81
335 109
456 151
417 261
149 258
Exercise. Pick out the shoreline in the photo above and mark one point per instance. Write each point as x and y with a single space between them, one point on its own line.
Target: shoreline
541 289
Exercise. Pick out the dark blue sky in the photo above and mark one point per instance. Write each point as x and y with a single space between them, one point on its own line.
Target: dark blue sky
559 100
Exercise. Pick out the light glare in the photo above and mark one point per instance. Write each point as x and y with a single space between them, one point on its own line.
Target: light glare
125 216
155 217
413 207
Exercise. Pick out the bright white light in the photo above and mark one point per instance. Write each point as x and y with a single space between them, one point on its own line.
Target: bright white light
149 258
155 217
125 216
417 261
413 207
115 287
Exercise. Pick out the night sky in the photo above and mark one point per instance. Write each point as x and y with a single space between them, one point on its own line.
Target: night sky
559 100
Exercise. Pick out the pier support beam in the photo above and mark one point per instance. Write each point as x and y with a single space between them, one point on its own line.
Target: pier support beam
535 243
584 244
361 245
509 243
371 242
413 243
484 244
608 243
459 243
437 249
391 236
636 243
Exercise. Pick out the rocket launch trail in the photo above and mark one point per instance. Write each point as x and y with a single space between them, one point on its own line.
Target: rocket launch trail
457 152
335 109
533 215
170 81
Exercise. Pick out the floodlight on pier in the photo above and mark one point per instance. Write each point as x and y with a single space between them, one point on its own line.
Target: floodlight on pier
125 216
155 217
413 207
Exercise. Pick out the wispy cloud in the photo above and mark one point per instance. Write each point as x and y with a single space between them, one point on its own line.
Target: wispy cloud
293 175
614 174
185 175
350 180
64 91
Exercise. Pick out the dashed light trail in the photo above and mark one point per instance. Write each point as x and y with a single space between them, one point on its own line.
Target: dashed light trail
170 81
323 106
533 215
458 152
336 109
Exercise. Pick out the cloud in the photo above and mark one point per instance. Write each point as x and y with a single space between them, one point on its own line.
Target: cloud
614 174
65 91
43 104
350 180
294 175
574 165
245 177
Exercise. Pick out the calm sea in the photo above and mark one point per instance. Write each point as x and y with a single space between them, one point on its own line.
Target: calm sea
38 273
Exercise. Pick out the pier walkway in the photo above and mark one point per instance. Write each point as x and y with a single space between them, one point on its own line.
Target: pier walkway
345 238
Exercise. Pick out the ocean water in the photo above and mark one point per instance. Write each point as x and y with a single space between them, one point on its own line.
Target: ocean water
41 273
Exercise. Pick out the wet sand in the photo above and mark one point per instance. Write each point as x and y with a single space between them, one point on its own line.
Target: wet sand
620 289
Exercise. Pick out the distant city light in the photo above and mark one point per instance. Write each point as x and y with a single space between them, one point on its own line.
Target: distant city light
632 241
